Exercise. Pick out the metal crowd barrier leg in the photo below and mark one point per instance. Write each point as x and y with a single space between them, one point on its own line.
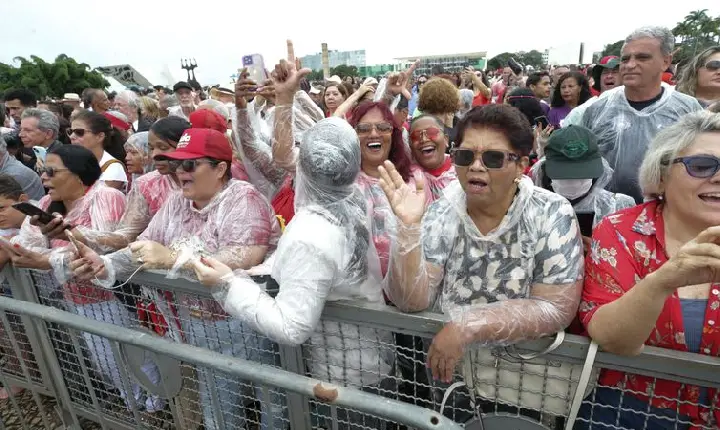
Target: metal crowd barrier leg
291 359
37 333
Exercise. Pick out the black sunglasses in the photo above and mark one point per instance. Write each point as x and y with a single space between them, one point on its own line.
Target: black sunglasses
49 171
491 159
699 166
713 65
79 132
190 165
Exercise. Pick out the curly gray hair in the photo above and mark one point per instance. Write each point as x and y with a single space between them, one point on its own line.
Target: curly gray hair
661 34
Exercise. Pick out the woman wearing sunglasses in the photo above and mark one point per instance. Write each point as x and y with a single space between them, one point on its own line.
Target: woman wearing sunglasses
653 278
95 132
428 146
701 78
216 216
502 257
71 175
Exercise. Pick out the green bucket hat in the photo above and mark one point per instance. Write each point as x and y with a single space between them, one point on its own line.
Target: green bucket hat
572 153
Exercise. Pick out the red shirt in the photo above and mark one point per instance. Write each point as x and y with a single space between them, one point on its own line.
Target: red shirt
480 100
627 246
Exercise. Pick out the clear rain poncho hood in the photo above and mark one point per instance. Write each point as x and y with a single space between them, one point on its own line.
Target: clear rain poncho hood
139 143
624 133
598 201
325 254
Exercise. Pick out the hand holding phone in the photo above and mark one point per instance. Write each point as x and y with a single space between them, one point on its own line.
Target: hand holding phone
255 68
32 210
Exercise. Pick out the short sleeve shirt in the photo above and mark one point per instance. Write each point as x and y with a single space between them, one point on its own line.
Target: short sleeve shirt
114 171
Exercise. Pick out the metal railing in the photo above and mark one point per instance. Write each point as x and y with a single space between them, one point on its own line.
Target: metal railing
279 383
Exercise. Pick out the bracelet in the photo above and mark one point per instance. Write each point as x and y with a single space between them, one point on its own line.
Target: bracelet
283 106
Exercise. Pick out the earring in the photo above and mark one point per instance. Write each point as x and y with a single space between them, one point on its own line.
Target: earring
516 181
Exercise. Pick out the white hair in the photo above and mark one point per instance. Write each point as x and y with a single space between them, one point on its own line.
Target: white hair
661 34
47 121
217 106
670 142
130 97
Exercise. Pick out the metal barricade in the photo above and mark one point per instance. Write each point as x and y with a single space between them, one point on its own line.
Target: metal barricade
376 351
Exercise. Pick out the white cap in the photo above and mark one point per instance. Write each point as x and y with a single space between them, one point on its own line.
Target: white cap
71 97
336 79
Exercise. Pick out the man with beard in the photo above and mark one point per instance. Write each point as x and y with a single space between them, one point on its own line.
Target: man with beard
186 97
606 76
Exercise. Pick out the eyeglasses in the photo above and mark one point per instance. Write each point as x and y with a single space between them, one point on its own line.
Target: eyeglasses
382 128
491 159
189 166
430 133
698 166
713 65
50 171
79 132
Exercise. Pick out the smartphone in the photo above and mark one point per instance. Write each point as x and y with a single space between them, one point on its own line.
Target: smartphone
586 223
542 120
40 152
255 66
31 210
73 241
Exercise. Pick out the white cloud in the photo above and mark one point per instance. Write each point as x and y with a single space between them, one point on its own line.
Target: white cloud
151 33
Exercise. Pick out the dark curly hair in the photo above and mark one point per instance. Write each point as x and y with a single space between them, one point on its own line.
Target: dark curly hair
585 94
504 119
438 97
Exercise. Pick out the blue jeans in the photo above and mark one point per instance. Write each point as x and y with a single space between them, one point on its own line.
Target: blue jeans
231 337
114 312
609 409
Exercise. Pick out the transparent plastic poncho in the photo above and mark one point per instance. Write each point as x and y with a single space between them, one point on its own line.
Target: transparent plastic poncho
147 195
267 160
325 254
521 281
624 133
599 201
139 142
99 209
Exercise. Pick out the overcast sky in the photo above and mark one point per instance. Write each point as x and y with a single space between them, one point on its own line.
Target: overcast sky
149 34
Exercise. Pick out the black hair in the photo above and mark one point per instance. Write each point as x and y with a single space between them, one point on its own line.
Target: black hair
9 187
585 94
67 111
305 85
12 140
503 119
170 129
2 114
433 117
88 95
27 98
403 104
535 78
81 163
114 143
525 101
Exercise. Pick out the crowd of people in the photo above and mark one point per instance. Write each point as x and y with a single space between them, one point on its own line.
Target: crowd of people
579 199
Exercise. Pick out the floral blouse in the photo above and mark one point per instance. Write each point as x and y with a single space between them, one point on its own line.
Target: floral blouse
626 247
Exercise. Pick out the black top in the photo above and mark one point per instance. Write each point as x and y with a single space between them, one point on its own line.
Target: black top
643 104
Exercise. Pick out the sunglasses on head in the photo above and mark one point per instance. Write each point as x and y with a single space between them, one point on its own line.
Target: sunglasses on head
713 65
49 171
79 132
189 166
491 159
367 128
431 133
698 166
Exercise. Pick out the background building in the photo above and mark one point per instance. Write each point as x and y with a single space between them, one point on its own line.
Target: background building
450 62
336 58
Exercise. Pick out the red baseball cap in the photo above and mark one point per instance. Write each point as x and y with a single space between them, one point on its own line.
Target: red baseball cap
201 143
117 122
207 118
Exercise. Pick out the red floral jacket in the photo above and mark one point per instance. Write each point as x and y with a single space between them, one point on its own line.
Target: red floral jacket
626 247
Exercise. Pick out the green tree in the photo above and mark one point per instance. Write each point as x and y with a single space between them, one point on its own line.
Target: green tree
499 61
612 49
343 71
64 75
533 58
315 75
695 33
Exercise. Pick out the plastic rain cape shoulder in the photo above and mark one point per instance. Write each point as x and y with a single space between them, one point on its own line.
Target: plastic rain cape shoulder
519 281
599 201
325 254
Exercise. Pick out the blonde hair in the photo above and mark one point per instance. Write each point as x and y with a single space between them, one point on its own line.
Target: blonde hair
687 82
670 142
149 107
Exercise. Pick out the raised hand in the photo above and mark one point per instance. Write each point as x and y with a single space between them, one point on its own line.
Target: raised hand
287 77
697 262
407 203
244 89
398 81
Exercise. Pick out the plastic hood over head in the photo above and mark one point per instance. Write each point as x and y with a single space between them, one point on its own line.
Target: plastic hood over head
139 143
328 164
599 201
